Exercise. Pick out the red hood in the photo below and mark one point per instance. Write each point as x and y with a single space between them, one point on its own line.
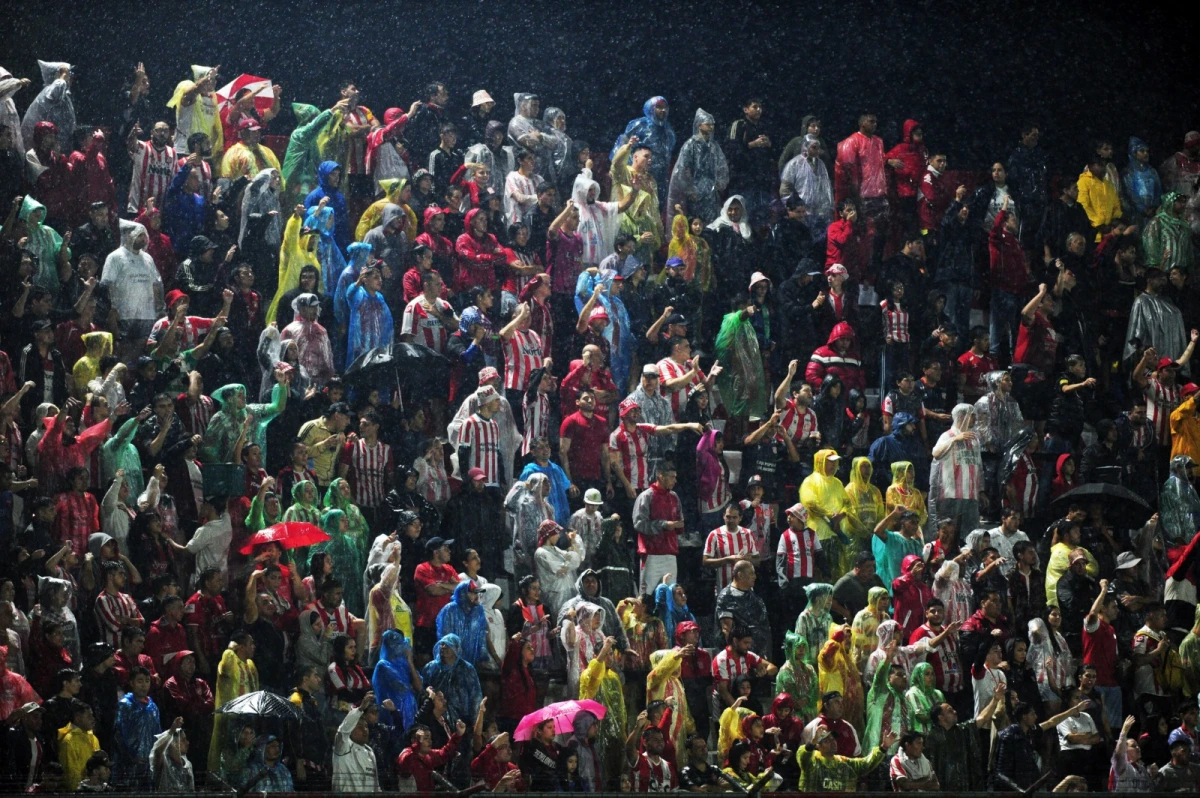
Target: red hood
909 126
841 330
782 700
470 217
431 212
748 723
1058 467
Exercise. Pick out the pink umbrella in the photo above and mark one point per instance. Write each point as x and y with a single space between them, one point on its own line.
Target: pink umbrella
264 95
563 714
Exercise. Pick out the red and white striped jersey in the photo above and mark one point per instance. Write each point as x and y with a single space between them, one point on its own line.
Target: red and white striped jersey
796 555
108 609
632 447
650 776
206 183
895 323
1139 436
797 422
370 467
668 369
194 416
961 470
762 523
426 328
522 354
152 173
947 672
719 497
723 543
537 420
1160 401
727 666
339 617
1025 480
483 436
350 679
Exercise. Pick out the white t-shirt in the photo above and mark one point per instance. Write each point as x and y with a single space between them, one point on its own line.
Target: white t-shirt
1081 724
131 278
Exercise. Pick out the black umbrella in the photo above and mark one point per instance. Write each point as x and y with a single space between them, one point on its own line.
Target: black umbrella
261 704
1119 502
410 366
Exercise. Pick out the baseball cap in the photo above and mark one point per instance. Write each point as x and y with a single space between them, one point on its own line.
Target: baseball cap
754 480
592 496
433 544
1166 363
1076 556
628 406
248 123
837 268
1189 389
598 313
1127 560
677 318
476 473
650 370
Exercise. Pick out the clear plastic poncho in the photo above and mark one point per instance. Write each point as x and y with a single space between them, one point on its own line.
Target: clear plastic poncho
558 144
810 182
329 256
619 332
53 104
312 344
701 172
226 424
1179 504
813 622
260 199
527 505
9 117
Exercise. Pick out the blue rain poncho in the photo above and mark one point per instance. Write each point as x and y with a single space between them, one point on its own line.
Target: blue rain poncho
337 201
226 424
329 254
347 559
1143 187
701 172
665 608
456 680
467 622
392 679
370 324
659 136
53 104
357 256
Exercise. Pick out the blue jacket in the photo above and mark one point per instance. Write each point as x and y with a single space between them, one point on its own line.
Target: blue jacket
183 213
895 448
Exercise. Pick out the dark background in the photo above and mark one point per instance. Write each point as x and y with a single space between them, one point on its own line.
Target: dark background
971 72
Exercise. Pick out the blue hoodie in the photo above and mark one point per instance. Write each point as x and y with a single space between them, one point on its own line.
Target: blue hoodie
337 201
894 448
1143 188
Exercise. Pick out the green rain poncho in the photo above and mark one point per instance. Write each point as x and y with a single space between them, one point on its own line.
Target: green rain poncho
318 134
885 709
798 678
742 382
814 621
304 504
259 517
348 563
44 243
1189 656
1178 503
226 424
920 699
360 531
119 452
1167 240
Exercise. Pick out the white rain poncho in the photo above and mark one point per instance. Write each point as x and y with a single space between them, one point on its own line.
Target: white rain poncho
134 284
53 104
997 415
598 221
558 143
556 570
9 117
529 131
809 180
499 165
527 504
701 172
956 456
260 199
581 641
1050 659
312 342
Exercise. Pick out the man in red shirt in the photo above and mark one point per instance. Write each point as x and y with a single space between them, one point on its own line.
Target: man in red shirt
167 636
974 365
435 580
1100 650
1009 276
207 621
583 446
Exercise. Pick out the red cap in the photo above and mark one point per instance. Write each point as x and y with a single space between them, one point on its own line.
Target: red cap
1166 363
1189 389
628 406
476 473
174 296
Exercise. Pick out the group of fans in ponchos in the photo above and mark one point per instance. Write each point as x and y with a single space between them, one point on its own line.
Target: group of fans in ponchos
818 467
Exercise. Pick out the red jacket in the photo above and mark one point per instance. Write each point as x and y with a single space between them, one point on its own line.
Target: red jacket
164 643
849 245
935 197
421 766
914 156
159 246
517 685
487 767
476 259
1007 260
909 595
827 360
90 180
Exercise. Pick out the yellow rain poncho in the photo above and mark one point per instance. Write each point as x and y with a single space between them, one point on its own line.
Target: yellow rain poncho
663 683
866 622
823 496
837 671
904 493
201 116
864 509
235 678
87 368
730 728
373 215
294 255
692 250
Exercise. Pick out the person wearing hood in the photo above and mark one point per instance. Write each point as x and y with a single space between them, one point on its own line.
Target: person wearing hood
315 355
54 103
997 414
1179 504
587 589
249 155
866 623
527 502
805 177
824 497
559 145
134 285
90 177
653 130
956 480
51 252
527 129
369 323
196 111
839 356
396 191
632 172
491 151
582 636
463 616
9 118
1167 238
452 675
316 136
902 444
598 221
170 768
389 240
297 252
910 595
329 180
1155 321
741 381
1098 196
731 246
1142 185
912 155
478 255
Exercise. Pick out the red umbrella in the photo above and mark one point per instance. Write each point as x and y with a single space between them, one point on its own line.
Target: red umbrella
260 87
289 534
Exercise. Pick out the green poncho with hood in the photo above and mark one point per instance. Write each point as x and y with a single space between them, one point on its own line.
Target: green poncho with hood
885 706
742 381
119 452
814 621
798 678
1178 503
44 244
303 507
348 562
1167 239
360 531
226 425
318 135
920 699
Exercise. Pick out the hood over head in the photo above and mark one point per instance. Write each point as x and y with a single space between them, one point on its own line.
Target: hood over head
391 213
993 379
1135 144
324 170
1180 464
702 117
902 420
962 417
909 563
304 113
860 472
909 126
49 70
582 187
649 106
841 330
875 597
585 611
723 220
902 472
886 632
129 230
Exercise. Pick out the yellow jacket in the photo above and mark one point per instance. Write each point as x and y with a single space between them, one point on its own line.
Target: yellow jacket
1185 430
823 496
75 747
373 215
1060 561
1099 199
